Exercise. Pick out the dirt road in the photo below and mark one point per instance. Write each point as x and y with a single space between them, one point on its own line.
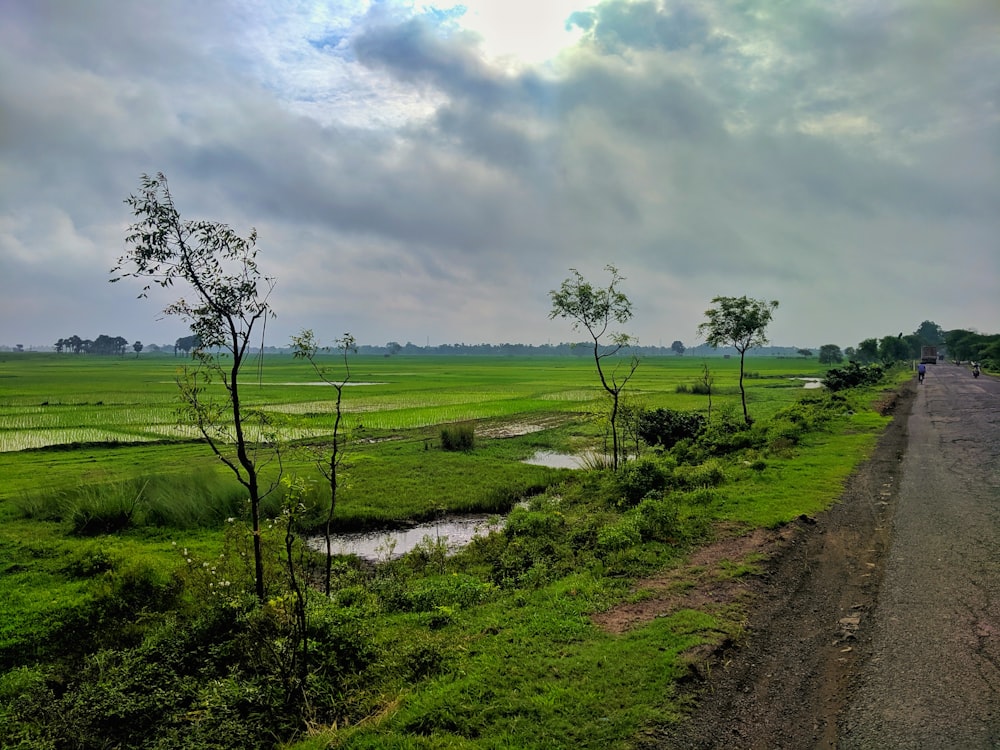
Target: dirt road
878 623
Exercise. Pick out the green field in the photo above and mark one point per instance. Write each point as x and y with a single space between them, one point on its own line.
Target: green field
62 399
492 647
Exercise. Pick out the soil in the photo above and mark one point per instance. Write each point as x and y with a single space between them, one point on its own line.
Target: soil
785 682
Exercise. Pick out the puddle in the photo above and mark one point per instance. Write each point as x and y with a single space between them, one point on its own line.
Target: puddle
373 546
811 382
555 460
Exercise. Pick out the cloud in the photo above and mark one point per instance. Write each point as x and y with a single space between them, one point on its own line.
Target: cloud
407 184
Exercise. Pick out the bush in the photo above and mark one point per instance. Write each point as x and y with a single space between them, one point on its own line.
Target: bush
708 474
547 524
658 518
665 427
620 535
462 591
638 479
727 433
458 437
852 376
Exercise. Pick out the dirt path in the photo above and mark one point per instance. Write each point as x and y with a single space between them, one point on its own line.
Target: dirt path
876 626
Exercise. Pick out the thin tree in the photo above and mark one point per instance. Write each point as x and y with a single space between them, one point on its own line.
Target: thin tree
594 309
230 298
305 346
707 381
741 322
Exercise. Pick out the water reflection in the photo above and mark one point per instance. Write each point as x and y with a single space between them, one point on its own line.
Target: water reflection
811 382
555 460
373 546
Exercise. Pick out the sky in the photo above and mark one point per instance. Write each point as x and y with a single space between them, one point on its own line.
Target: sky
428 173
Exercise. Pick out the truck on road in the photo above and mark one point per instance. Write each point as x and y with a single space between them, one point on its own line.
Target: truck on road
928 355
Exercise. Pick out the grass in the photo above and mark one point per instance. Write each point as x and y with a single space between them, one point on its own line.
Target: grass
492 647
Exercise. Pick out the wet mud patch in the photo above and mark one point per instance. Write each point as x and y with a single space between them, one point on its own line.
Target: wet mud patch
509 429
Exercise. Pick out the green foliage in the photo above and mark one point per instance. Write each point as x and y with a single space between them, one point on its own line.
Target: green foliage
593 310
454 591
639 478
830 354
619 535
196 499
665 427
458 437
708 474
894 349
659 518
854 375
726 433
494 646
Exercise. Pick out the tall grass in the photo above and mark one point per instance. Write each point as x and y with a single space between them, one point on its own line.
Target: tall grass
181 501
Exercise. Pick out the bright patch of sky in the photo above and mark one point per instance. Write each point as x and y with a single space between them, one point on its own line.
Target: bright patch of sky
518 32
301 49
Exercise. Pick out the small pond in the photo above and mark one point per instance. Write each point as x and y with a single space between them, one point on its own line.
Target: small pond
811 382
375 546
555 460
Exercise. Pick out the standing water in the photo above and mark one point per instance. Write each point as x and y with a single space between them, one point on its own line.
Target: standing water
373 546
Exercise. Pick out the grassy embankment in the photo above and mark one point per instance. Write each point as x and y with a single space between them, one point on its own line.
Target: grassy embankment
493 647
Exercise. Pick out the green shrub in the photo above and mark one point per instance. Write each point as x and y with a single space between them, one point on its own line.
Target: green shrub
458 437
455 590
664 427
699 496
707 474
620 535
638 478
342 639
658 518
535 523
852 376
727 433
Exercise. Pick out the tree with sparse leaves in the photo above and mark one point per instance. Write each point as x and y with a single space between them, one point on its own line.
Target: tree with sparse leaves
229 299
305 346
595 309
742 323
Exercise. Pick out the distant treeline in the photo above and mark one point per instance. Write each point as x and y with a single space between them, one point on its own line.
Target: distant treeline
567 349
186 344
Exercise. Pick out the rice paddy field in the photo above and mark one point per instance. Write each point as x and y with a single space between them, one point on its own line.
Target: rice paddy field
51 400
492 647
71 420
